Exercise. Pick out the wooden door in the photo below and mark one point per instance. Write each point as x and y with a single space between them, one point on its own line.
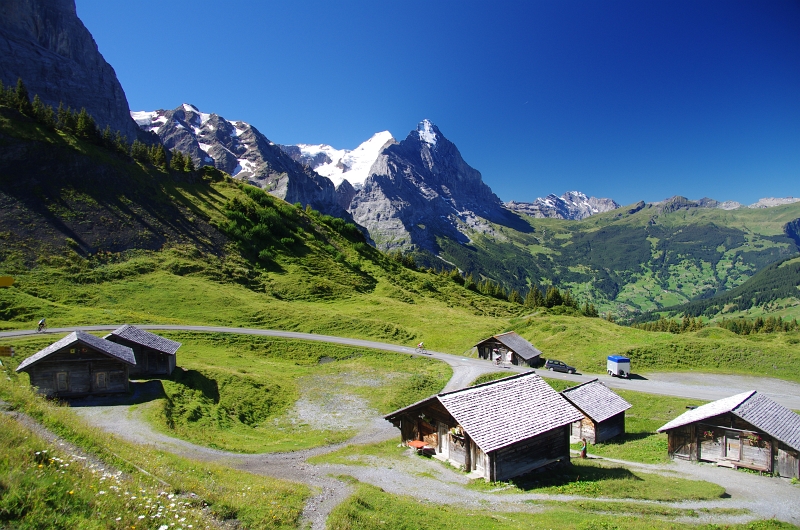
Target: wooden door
62 382
733 446
152 362
100 380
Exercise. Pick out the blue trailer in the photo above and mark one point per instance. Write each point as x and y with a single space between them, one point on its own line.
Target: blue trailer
618 365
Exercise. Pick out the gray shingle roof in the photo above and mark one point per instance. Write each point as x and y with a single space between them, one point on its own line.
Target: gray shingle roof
596 400
517 344
754 408
145 338
502 412
118 351
772 418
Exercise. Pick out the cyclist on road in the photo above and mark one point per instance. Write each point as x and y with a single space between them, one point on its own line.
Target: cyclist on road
42 324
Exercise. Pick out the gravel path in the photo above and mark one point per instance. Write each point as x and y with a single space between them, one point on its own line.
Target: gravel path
428 480
766 497
706 387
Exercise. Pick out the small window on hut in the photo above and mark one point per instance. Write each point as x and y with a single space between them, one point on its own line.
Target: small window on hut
62 383
100 380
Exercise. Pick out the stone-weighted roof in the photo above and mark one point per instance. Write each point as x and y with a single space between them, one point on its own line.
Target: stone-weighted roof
756 409
596 400
145 338
117 351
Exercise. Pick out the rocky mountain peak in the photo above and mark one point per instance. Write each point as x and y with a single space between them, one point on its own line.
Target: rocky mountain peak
427 132
239 149
421 188
572 205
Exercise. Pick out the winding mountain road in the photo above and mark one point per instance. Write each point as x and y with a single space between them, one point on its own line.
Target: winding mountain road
693 385
764 497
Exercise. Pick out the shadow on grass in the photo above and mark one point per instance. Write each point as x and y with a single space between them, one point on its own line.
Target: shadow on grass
197 381
140 392
571 473
628 437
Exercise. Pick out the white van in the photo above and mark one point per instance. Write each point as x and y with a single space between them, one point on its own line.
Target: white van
619 366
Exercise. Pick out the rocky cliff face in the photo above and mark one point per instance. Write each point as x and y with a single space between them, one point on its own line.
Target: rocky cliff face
421 188
240 150
571 205
45 43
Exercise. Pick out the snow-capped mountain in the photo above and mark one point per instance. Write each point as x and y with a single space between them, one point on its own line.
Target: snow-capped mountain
240 150
341 164
571 205
420 189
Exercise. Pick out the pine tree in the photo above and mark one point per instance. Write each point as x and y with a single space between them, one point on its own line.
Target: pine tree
531 300
62 116
108 140
121 143
158 155
139 152
84 125
515 297
43 113
23 100
188 164
553 297
176 163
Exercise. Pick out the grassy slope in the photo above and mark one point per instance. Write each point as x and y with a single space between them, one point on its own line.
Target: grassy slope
585 343
257 502
371 507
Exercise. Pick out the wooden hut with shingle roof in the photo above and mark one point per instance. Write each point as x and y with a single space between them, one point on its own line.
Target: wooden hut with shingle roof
155 355
603 411
80 364
512 347
746 430
500 429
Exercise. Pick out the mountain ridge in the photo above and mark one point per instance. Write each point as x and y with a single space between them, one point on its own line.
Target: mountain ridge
242 151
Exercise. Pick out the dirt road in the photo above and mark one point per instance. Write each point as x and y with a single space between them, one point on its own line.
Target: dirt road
707 387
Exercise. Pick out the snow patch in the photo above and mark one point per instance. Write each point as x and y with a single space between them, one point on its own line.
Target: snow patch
426 132
143 118
244 165
350 165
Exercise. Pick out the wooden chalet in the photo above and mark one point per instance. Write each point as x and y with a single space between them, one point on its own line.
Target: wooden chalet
154 354
512 348
603 411
80 364
746 430
499 429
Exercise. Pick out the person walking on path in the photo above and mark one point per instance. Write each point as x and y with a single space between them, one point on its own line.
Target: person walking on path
583 447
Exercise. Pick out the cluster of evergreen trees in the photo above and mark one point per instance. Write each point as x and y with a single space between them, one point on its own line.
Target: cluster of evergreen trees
743 326
82 124
740 326
672 326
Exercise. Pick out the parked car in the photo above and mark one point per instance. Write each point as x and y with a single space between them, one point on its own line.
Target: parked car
558 366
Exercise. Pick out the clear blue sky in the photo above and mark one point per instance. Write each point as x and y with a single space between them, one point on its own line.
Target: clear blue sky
632 100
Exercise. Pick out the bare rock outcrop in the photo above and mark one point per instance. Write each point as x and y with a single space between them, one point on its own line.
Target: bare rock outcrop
45 43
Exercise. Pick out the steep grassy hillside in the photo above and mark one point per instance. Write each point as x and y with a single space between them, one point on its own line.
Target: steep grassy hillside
638 258
94 237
